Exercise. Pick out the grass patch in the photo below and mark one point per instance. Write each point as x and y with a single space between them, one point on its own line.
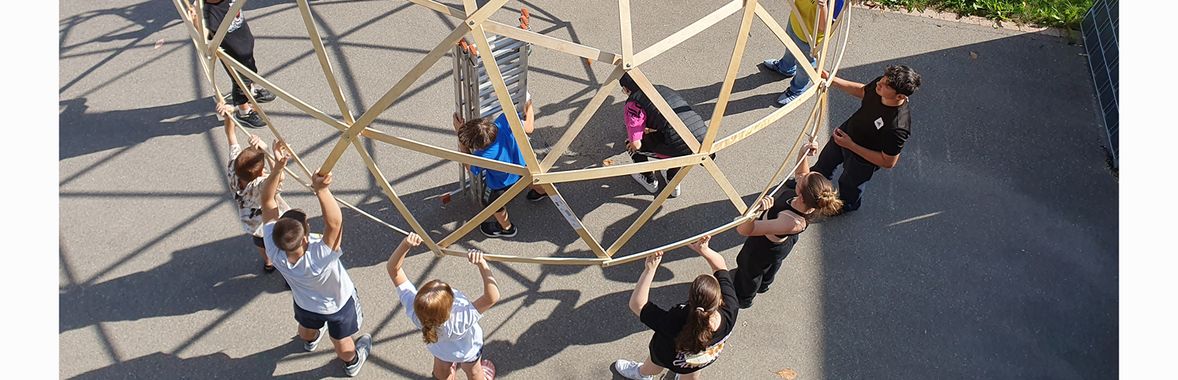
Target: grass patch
1053 13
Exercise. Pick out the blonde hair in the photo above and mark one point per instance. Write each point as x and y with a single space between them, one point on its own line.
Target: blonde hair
818 193
432 306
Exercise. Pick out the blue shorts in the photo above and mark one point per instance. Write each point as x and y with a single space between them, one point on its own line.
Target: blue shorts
342 324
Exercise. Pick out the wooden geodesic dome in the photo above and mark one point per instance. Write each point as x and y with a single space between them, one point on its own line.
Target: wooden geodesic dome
476 28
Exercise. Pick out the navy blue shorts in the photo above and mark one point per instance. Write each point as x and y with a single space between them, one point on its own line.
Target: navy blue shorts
258 242
344 323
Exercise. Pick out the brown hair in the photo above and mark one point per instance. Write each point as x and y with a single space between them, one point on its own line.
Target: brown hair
701 302
249 163
477 134
818 193
432 306
289 233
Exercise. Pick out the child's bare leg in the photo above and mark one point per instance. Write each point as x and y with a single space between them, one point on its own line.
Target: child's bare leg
308 334
443 370
501 216
474 371
649 369
345 349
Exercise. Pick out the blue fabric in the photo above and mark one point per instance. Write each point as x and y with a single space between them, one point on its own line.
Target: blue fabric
788 65
504 149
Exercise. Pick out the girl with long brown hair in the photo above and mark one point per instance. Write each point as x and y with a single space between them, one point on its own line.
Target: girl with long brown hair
690 335
449 321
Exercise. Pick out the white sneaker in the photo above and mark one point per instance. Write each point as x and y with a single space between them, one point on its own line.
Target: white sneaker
310 346
363 347
674 193
647 181
629 370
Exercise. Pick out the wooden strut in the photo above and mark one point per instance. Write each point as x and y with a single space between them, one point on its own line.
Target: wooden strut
476 22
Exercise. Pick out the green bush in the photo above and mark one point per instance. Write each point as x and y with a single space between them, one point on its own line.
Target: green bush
1054 13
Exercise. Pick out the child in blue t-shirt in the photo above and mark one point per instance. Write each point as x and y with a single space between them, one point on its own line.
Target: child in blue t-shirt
494 140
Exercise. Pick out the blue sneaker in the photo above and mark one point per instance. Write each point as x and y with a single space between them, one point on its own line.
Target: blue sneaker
771 65
786 97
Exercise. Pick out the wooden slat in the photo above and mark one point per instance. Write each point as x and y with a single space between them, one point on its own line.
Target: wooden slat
444 153
281 93
650 210
491 66
764 122
324 62
392 95
627 38
553 43
813 119
722 180
686 33
682 243
579 227
619 170
482 216
525 35
782 35
742 38
395 199
562 145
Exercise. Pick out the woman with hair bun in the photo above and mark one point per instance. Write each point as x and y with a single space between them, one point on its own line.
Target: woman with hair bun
690 335
449 321
773 235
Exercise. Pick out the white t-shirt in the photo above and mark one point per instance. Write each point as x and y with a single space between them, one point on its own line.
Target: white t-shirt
318 281
460 338
248 199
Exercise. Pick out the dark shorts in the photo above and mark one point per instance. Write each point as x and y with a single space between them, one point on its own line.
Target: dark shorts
490 196
259 242
344 323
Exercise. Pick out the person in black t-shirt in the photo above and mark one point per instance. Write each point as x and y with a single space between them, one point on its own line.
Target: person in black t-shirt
873 136
690 335
239 45
771 238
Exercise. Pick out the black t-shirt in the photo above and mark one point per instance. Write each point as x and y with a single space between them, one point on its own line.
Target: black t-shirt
668 323
215 13
877 126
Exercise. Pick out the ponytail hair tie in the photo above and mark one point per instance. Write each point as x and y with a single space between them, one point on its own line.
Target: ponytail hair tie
700 309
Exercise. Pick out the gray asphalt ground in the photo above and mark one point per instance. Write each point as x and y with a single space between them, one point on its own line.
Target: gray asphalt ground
990 251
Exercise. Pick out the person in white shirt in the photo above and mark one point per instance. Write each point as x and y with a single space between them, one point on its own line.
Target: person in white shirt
449 321
322 291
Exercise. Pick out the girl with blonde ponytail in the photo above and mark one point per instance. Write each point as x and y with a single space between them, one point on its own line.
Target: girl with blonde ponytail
447 318
772 236
691 335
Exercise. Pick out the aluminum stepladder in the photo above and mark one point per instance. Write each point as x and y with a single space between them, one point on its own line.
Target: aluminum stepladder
474 94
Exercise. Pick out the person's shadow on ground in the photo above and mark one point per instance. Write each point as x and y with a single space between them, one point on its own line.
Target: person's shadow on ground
577 326
217 365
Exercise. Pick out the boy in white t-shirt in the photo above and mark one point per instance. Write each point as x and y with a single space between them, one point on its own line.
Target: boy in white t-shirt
322 291
449 321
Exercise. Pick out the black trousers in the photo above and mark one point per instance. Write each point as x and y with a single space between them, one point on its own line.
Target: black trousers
757 265
856 172
240 46
639 157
